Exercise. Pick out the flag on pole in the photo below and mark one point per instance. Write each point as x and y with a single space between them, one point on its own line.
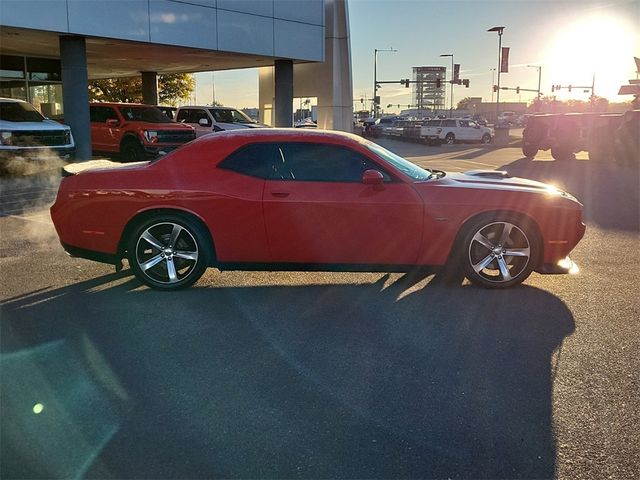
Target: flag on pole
504 60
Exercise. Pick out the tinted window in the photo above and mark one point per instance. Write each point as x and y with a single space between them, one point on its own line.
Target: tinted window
143 114
433 123
464 123
102 114
255 160
448 123
228 115
321 163
19 112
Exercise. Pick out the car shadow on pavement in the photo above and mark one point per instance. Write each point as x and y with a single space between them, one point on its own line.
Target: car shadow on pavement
609 193
401 377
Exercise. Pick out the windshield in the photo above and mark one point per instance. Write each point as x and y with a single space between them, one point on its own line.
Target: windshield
229 115
144 114
19 112
405 166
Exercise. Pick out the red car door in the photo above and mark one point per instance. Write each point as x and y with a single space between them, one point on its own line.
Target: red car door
317 210
104 138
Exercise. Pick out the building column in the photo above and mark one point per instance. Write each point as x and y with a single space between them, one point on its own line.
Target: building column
150 88
75 92
284 93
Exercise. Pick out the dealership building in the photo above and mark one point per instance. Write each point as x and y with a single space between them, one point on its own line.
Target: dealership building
50 49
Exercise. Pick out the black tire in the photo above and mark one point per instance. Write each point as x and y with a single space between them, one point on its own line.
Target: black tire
132 151
498 250
561 153
450 139
486 138
529 151
168 252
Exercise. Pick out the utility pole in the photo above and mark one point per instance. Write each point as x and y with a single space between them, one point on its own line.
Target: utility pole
499 30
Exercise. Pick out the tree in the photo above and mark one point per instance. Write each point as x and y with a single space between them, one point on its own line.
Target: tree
464 103
171 89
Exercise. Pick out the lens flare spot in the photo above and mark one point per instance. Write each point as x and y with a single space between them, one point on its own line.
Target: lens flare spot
38 408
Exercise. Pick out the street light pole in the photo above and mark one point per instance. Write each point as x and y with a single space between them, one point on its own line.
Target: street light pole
493 81
375 76
539 76
499 30
450 55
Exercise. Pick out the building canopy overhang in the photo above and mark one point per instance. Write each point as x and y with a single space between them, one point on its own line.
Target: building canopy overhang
110 58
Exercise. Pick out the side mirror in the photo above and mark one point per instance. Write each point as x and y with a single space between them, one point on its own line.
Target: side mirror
204 122
113 123
372 177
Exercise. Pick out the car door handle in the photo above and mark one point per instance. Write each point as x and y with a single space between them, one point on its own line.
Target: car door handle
280 194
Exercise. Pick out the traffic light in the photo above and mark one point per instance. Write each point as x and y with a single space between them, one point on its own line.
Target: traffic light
406 83
495 88
553 88
517 89
438 83
376 99
569 88
465 82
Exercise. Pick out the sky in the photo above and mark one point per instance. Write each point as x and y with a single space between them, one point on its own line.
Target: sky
571 40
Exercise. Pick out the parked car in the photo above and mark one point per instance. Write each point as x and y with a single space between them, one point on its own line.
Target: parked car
382 126
507 118
25 132
214 119
568 133
135 131
295 199
453 130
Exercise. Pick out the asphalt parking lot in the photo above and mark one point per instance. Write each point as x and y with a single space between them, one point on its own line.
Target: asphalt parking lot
326 375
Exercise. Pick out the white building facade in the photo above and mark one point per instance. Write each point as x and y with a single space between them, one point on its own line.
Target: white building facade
50 48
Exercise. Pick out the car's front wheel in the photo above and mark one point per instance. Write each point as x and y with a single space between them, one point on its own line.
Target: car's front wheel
168 252
486 138
450 139
499 251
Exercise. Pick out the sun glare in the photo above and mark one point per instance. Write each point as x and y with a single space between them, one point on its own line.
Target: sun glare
604 46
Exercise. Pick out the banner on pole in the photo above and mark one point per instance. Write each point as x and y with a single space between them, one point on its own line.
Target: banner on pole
504 60
456 71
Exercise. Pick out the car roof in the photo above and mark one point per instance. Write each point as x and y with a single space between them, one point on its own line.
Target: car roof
282 134
120 104
217 107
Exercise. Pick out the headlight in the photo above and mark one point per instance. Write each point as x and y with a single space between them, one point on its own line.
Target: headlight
151 136
5 138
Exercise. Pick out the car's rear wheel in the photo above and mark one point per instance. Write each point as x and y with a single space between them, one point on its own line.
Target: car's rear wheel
168 252
486 138
499 251
450 139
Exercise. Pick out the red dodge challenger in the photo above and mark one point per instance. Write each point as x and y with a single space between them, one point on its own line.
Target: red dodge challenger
286 199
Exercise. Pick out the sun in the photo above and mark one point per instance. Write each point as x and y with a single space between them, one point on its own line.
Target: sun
603 46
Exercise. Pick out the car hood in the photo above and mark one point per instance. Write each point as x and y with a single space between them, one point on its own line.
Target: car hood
29 126
499 180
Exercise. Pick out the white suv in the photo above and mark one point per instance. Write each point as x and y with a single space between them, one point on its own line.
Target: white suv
25 132
214 119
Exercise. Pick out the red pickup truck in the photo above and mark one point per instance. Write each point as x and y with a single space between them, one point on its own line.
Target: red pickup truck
135 131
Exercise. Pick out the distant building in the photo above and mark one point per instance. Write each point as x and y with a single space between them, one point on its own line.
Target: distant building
427 95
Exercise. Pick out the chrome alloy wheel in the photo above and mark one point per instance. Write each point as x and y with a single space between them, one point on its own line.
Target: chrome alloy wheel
499 252
166 252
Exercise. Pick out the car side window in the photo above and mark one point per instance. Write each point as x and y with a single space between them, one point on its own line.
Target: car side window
448 123
183 116
254 160
102 114
464 123
314 162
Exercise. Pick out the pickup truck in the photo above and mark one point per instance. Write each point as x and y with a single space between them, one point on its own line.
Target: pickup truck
452 130
214 119
134 131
